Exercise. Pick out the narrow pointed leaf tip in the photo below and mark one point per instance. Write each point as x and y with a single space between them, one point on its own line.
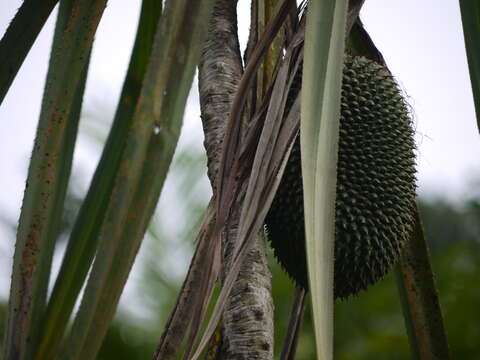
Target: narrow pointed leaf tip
470 10
19 38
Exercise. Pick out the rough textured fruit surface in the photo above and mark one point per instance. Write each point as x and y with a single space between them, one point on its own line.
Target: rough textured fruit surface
375 185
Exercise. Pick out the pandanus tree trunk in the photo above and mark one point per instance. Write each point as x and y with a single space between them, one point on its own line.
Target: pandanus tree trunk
247 324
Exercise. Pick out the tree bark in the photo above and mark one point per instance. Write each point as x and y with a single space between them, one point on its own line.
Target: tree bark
247 324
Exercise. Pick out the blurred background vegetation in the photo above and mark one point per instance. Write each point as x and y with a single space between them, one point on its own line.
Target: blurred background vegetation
368 326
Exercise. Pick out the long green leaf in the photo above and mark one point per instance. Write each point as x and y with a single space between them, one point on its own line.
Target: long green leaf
144 164
83 239
418 292
64 170
19 38
470 10
48 173
320 113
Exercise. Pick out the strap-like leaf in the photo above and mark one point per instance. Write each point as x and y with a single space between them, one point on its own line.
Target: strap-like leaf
83 239
49 171
420 304
322 73
143 168
289 346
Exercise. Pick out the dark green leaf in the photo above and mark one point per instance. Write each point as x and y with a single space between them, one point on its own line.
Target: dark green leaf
19 38
143 167
470 10
49 172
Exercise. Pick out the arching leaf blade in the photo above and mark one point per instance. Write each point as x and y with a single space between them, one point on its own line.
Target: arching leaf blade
19 38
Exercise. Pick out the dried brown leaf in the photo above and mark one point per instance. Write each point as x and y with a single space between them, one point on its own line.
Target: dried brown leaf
294 324
274 146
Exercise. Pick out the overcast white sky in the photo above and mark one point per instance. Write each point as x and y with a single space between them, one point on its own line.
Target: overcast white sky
422 42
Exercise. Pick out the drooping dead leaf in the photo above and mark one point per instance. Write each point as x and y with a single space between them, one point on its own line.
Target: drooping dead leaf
264 174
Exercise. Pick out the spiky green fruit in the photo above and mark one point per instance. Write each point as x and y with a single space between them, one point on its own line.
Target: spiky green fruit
375 184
